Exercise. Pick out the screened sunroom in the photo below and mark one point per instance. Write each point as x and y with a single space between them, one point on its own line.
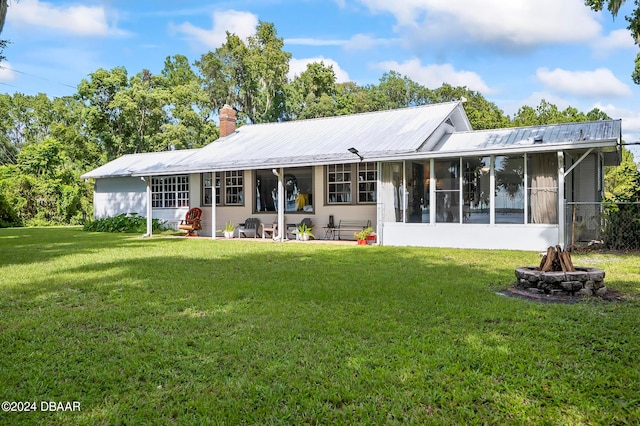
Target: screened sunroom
510 194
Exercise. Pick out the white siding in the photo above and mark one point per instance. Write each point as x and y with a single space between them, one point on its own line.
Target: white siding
114 196
507 237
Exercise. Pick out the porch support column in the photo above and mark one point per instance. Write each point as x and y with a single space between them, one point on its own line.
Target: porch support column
561 202
281 231
147 181
379 203
213 207
432 191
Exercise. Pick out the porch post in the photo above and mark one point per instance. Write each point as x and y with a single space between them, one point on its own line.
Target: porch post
213 206
147 181
379 203
281 231
561 202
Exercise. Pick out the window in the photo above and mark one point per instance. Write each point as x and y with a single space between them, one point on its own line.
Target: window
476 189
367 180
298 190
339 188
170 191
232 186
418 187
542 170
342 189
509 199
447 190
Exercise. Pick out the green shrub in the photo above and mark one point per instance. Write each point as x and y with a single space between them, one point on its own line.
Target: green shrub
124 222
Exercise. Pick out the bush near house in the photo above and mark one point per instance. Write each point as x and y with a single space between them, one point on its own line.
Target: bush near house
125 222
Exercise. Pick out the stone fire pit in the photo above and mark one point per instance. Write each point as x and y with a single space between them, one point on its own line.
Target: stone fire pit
582 282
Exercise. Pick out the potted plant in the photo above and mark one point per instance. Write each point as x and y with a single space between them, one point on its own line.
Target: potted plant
229 229
361 236
304 232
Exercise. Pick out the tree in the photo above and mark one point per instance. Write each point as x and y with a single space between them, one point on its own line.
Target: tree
250 77
622 211
105 123
312 93
482 114
548 113
189 115
633 20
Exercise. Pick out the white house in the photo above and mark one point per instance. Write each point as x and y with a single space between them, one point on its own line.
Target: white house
421 175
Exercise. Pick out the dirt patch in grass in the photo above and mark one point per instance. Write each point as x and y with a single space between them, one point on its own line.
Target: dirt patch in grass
512 291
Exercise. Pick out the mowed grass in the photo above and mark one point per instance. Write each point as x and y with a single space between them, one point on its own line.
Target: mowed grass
194 331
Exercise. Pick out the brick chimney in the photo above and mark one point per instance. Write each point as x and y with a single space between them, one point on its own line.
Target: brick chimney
227 120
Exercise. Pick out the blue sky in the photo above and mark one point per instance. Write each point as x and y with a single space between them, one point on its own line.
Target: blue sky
514 52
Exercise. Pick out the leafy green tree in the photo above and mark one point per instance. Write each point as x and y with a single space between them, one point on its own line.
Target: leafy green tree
106 125
312 93
548 113
250 77
482 114
189 116
622 211
622 183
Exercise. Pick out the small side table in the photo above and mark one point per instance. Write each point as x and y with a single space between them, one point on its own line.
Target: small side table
329 232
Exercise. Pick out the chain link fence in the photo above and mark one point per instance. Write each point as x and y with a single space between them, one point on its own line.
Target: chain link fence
611 226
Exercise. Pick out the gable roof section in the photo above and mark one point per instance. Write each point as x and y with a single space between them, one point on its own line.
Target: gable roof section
300 143
322 140
604 134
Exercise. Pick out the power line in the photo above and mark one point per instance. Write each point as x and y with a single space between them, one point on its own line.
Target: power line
36 76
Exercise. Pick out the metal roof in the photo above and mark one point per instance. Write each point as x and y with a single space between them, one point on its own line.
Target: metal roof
604 133
417 132
133 164
299 143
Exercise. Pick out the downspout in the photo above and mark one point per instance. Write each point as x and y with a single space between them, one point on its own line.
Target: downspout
147 181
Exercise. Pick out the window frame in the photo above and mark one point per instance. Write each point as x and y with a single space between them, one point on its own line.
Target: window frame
170 192
370 185
217 181
352 197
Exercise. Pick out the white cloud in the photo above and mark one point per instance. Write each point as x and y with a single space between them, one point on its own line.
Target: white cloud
600 82
366 42
630 121
499 22
73 19
434 76
615 40
298 66
6 72
242 24
313 42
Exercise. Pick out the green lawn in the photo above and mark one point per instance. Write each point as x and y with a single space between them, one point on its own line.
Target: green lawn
194 331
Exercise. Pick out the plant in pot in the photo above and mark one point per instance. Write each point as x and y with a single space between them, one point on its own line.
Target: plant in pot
361 236
304 232
229 229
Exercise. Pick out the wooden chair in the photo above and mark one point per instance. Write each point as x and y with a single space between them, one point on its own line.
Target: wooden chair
249 228
272 231
191 222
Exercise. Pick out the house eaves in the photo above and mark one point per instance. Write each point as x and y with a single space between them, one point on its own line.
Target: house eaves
136 164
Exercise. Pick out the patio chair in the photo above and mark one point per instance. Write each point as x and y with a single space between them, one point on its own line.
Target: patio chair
249 228
192 223
271 231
